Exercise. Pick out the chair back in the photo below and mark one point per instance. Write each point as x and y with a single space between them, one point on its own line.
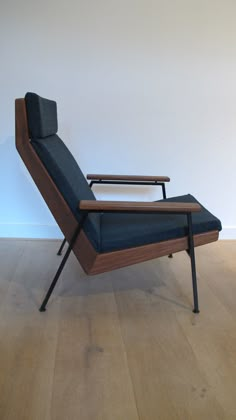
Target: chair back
54 169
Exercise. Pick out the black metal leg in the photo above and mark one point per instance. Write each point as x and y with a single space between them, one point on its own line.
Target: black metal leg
61 266
61 247
163 190
164 197
193 265
53 284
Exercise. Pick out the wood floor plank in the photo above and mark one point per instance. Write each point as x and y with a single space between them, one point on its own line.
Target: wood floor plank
9 262
213 338
91 379
218 265
28 340
165 371
122 345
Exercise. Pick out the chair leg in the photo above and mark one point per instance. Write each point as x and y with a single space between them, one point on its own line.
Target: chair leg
163 191
56 277
61 266
193 265
61 247
164 197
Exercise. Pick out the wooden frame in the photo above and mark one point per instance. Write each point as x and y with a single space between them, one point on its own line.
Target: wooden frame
143 178
138 206
91 261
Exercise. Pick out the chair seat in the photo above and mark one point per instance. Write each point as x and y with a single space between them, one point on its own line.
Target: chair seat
122 231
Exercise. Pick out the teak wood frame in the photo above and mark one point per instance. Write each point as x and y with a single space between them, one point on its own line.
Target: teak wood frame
91 261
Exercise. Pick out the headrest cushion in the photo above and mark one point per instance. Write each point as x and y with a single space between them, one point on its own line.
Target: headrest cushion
42 116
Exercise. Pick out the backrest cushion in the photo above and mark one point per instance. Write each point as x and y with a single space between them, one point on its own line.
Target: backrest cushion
60 164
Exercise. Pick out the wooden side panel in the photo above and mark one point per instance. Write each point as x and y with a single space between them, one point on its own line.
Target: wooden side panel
45 184
65 219
117 259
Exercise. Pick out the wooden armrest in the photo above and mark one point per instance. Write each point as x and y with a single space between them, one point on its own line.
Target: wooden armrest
128 178
134 207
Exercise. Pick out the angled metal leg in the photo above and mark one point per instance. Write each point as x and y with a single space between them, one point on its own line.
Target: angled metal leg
193 265
53 284
61 247
163 190
61 266
164 197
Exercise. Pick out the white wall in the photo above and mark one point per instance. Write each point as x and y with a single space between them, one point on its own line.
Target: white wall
143 86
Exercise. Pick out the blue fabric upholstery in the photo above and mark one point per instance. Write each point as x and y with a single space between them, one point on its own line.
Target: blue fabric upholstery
60 163
109 231
119 231
69 179
42 116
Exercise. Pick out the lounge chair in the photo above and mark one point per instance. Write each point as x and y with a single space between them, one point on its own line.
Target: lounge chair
105 235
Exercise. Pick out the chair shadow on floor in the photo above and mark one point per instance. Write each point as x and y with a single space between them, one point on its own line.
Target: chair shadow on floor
146 278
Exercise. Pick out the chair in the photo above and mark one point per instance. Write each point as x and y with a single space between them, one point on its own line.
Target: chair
104 235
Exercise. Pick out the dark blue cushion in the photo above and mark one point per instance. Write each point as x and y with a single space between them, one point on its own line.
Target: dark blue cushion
108 231
41 115
69 179
120 231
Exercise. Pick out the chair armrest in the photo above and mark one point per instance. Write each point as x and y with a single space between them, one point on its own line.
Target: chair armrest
107 177
137 207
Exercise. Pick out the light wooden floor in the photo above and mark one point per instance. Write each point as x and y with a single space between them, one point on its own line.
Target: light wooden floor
119 346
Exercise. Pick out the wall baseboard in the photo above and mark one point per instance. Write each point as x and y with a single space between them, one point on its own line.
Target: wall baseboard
37 231
228 232
27 231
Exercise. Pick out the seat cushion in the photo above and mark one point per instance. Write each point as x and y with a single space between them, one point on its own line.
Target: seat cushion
121 231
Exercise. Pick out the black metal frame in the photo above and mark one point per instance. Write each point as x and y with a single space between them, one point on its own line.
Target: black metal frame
85 213
101 181
59 252
153 183
61 266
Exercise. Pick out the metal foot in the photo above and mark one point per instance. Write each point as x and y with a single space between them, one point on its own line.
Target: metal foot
196 311
61 247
